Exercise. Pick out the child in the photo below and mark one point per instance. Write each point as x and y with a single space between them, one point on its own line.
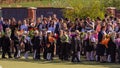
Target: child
49 51
76 47
16 44
36 45
111 51
0 40
27 42
93 42
117 41
89 47
6 46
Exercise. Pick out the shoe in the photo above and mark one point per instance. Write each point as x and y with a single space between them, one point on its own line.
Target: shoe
4 58
10 57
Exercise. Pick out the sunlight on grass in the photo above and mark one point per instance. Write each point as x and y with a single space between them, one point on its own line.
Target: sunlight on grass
30 63
28 4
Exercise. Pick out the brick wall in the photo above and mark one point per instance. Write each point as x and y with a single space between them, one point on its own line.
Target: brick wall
22 12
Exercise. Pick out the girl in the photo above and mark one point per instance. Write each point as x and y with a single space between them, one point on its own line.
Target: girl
50 47
27 42
117 41
16 44
36 45
89 47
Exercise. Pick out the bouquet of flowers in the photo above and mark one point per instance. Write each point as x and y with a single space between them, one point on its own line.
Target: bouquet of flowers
31 32
106 40
82 35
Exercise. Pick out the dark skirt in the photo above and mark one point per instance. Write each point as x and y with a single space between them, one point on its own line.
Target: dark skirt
100 50
27 48
89 48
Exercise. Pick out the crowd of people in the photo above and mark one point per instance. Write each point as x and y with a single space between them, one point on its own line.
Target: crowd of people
97 40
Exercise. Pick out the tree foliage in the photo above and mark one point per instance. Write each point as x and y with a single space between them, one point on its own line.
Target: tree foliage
84 8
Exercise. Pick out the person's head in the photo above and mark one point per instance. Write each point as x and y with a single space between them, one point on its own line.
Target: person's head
89 33
77 32
7 30
38 20
103 28
118 35
36 33
88 19
54 16
24 21
105 15
65 32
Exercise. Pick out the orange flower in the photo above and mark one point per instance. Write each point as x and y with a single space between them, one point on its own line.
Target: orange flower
105 42
51 39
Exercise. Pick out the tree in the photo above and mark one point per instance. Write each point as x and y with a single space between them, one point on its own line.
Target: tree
83 8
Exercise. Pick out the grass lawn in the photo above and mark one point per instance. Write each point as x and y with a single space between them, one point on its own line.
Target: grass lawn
30 63
44 3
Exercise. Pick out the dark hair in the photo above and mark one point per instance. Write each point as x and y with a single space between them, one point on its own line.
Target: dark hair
105 15
98 18
103 27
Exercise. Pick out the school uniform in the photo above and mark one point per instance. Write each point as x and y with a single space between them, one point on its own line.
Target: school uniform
44 42
89 49
28 44
49 52
65 50
112 50
76 50
16 45
36 47
6 47
100 49
117 41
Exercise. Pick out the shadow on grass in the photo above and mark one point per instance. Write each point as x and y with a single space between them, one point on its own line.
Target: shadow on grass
59 62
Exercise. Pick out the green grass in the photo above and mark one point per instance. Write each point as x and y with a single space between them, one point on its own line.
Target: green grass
44 3
30 63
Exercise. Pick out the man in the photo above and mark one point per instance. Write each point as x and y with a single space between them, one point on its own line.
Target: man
89 24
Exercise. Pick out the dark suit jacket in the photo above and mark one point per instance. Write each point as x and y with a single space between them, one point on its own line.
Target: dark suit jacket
100 36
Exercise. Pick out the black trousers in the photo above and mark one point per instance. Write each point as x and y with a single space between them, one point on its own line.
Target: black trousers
65 51
75 56
119 54
45 52
16 51
37 56
6 50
